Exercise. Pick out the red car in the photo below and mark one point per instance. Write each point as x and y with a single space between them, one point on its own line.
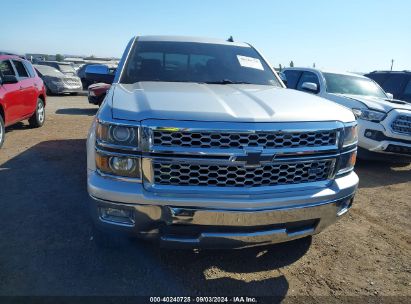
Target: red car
97 92
22 94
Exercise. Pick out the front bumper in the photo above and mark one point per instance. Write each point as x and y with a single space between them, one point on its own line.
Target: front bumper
384 140
63 89
207 222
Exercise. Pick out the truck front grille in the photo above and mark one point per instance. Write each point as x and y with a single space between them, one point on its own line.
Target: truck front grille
402 124
187 174
227 140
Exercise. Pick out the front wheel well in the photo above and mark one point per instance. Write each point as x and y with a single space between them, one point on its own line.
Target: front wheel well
43 98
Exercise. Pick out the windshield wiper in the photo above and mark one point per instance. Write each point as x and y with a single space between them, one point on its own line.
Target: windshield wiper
227 81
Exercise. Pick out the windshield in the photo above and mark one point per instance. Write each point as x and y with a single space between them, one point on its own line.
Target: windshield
196 62
45 70
347 84
67 69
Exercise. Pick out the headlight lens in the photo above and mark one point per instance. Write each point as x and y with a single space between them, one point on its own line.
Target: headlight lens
350 135
370 115
347 162
118 165
117 135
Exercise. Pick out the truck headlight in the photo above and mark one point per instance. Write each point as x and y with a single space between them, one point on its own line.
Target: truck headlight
118 165
118 135
371 115
347 162
350 136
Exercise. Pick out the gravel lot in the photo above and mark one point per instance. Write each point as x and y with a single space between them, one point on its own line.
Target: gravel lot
46 245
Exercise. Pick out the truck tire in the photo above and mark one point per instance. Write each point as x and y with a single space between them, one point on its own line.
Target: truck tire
2 131
39 116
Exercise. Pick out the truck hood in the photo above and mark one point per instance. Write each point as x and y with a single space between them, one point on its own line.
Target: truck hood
214 102
380 104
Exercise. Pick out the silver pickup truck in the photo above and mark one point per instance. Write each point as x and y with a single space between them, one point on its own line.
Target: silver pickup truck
199 144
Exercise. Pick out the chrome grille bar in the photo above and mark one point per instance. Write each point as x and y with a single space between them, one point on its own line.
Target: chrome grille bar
187 174
225 140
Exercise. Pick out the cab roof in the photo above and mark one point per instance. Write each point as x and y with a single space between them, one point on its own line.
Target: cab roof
6 56
190 39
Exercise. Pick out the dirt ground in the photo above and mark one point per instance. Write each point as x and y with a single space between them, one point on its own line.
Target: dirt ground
46 245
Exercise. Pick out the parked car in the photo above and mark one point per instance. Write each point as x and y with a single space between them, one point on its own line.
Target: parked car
109 71
81 72
384 123
58 83
64 67
97 92
201 145
396 82
22 94
101 76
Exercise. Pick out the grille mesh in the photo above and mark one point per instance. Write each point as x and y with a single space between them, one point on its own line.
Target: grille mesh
71 82
402 124
238 140
185 174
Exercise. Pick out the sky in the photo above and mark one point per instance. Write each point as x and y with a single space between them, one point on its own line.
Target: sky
345 35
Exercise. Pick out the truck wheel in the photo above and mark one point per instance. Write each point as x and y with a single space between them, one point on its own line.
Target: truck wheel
39 116
2 131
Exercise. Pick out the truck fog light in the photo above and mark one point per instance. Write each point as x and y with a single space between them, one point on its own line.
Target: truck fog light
116 215
374 134
122 164
368 134
118 165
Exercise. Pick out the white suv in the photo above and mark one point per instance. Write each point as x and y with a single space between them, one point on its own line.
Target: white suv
384 123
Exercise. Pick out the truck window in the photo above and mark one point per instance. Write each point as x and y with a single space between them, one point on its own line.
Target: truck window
354 85
308 77
196 62
292 78
394 84
407 90
378 77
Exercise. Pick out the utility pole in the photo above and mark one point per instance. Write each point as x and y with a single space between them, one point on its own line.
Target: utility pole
392 63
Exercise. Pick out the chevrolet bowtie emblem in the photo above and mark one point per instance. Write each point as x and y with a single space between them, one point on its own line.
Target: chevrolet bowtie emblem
253 158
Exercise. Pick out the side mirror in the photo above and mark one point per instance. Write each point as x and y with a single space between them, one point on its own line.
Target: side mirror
99 73
310 86
283 78
8 79
390 95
